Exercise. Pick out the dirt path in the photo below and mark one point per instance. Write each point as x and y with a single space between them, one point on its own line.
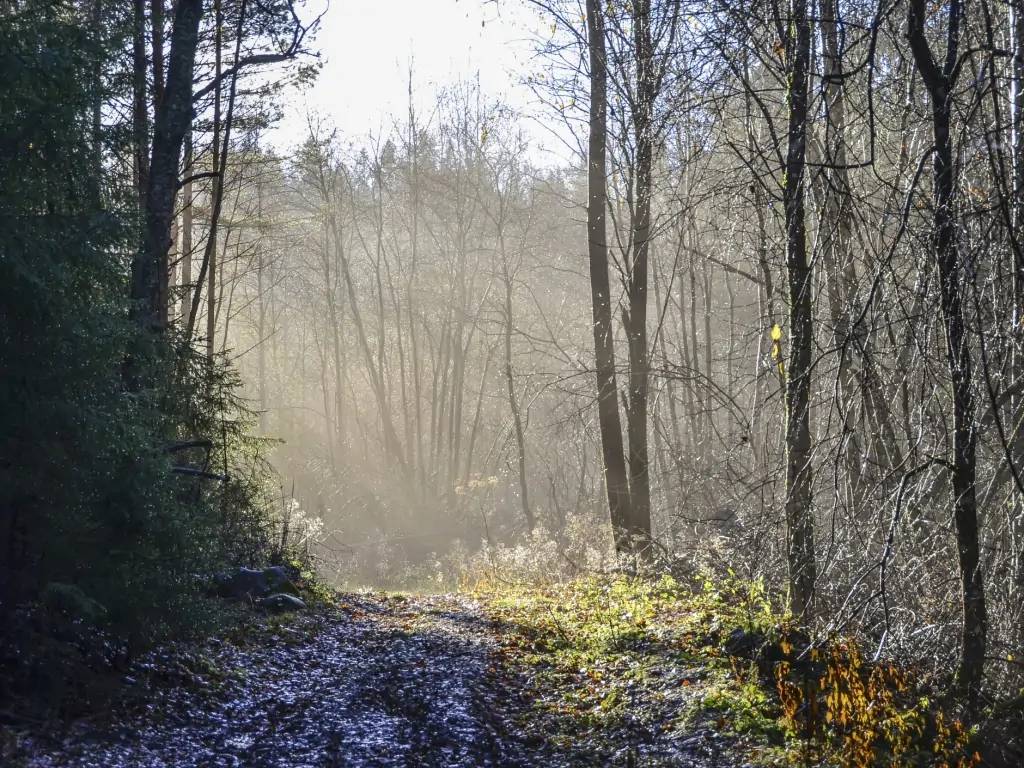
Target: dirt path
383 681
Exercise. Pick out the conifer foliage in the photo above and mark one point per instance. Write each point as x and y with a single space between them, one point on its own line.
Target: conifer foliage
100 531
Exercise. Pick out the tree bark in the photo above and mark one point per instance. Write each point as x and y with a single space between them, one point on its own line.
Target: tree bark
157 27
513 401
835 233
96 22
946 249
208 265
156 13
186 235
1016 9
636 328
173 119
616 480
140 107
261 338
799 501
217 191
334 320
1017 125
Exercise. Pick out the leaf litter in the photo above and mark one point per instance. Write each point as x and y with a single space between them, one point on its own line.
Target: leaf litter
380 680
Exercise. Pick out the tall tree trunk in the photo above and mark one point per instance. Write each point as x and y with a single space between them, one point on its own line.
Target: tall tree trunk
325 396
418 461
835 232
761 450
675 445
636 327
1017 160
173 119
799 501
169 268
940 82
186 234
1017 127
217 191
208 266
474 430
261 338
157 27
96 22
156 17
334 320
140 106
616 480
513 401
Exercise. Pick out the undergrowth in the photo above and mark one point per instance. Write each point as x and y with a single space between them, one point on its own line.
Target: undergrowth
611 653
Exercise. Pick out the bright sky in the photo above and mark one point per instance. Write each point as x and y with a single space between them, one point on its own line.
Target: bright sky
367 46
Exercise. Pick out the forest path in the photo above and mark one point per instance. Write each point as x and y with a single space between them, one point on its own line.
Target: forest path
379 681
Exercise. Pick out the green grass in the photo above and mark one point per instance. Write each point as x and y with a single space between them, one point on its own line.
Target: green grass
601 648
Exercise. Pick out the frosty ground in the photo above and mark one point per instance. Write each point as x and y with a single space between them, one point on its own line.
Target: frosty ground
378 680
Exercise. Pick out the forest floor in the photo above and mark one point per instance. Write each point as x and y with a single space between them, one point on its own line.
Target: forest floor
393 680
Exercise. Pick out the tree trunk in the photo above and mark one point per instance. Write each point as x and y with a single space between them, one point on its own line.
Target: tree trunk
940 83
835 233
186 234
156 13
334 317
261 337
675 445
616 481
513 401
799 501
217 191
157 26
636 328
173 119
96 22
208 266
1017 210
1017 126
416 451
140 107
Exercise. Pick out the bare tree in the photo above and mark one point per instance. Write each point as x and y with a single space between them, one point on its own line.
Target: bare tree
616 479
940 80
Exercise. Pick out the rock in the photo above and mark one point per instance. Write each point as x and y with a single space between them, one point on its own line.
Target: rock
281 602
280 580
767 651
744 644
72 603
254 583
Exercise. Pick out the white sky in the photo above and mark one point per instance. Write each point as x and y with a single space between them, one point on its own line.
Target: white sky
366 47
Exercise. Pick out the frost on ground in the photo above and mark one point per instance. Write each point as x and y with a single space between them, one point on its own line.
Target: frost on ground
381 681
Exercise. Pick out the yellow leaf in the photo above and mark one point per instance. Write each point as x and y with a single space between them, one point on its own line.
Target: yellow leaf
776 332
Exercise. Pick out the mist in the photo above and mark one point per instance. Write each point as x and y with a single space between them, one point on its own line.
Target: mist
533 382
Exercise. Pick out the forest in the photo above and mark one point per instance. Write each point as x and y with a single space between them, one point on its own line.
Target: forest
672 416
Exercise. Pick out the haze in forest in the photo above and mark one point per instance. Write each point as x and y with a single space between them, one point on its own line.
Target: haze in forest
406 295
